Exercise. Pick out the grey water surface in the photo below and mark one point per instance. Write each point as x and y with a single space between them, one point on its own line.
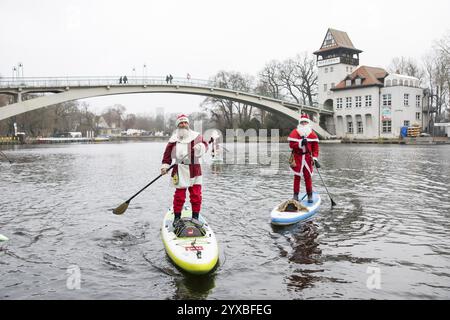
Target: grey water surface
388 237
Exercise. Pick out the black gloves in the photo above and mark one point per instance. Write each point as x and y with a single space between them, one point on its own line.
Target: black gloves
304 142
316 163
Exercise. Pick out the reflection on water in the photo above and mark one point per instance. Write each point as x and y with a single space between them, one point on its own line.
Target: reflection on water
392 213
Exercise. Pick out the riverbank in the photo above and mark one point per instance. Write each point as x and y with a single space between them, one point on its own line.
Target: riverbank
407 141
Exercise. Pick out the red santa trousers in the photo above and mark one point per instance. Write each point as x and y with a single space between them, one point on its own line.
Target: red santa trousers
195 195
308 181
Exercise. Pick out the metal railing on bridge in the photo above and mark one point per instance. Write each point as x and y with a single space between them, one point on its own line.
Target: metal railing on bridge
24 83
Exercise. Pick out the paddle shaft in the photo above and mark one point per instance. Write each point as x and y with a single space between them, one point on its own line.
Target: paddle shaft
5 156
128 201
332 201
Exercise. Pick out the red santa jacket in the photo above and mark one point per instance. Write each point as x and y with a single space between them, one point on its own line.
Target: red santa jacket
304 150
170 153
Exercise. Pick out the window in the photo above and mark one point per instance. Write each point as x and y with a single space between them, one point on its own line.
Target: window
331 69
388 83
406 123
418 98
329 40
326 70
333 85
387 99
348 83
394 82
387 126
325 87
368 101
400 82
359 127
357 81
348 102
417 115
358 101
350 127
339 103
406 99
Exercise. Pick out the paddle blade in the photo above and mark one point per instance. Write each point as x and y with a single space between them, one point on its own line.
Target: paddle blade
121 209
333 203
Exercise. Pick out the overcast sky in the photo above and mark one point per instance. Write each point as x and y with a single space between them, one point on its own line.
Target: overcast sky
202 37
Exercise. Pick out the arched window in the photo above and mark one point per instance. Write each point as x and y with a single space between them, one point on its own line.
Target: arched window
388 83
400 82
394 82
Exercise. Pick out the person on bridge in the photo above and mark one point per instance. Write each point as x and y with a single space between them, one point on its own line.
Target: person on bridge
305 152
125 79
186 147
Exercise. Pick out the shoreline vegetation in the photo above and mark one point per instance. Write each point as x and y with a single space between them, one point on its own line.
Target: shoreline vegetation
283 139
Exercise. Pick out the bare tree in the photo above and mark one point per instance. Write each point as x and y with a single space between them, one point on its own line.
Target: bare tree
228 113
406 66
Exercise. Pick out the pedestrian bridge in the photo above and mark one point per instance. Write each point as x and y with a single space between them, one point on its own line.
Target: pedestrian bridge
65 89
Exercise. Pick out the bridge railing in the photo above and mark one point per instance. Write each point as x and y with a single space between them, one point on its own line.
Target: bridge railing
52 82
93 81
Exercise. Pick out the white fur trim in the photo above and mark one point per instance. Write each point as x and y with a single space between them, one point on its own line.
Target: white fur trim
165 166
192 135
182 119
304 164
304 120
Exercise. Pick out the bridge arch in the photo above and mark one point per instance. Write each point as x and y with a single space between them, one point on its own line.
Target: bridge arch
67 93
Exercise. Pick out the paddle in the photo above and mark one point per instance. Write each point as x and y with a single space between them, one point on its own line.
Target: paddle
5 157
124 206
332 201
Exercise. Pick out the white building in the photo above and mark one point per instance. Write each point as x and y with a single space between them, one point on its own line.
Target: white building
368 102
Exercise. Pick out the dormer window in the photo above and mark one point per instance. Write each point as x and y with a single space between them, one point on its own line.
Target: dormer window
348 83
357 81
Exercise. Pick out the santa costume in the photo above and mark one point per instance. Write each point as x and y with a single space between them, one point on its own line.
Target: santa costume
305 150
186 147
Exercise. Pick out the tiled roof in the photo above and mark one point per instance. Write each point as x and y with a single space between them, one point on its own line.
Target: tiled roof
370 76
341 40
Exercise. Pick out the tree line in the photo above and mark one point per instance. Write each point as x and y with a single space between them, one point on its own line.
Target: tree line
75 116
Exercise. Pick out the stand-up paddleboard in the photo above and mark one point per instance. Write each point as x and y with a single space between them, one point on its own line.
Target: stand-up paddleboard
283 218
3 238
192 246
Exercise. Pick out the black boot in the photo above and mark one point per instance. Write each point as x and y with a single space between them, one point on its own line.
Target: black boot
310 198
176 219
295 196
195 215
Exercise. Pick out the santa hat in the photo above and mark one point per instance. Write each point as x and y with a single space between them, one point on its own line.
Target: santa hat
304 118
182 118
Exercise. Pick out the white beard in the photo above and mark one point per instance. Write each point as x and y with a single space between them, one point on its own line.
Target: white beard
304 130
182 133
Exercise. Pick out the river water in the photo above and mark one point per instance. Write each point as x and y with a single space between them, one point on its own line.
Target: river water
387 238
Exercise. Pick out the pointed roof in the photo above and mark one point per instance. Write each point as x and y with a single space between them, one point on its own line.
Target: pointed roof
335 39
370 76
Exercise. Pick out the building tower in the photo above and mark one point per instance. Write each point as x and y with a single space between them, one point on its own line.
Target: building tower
336 58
